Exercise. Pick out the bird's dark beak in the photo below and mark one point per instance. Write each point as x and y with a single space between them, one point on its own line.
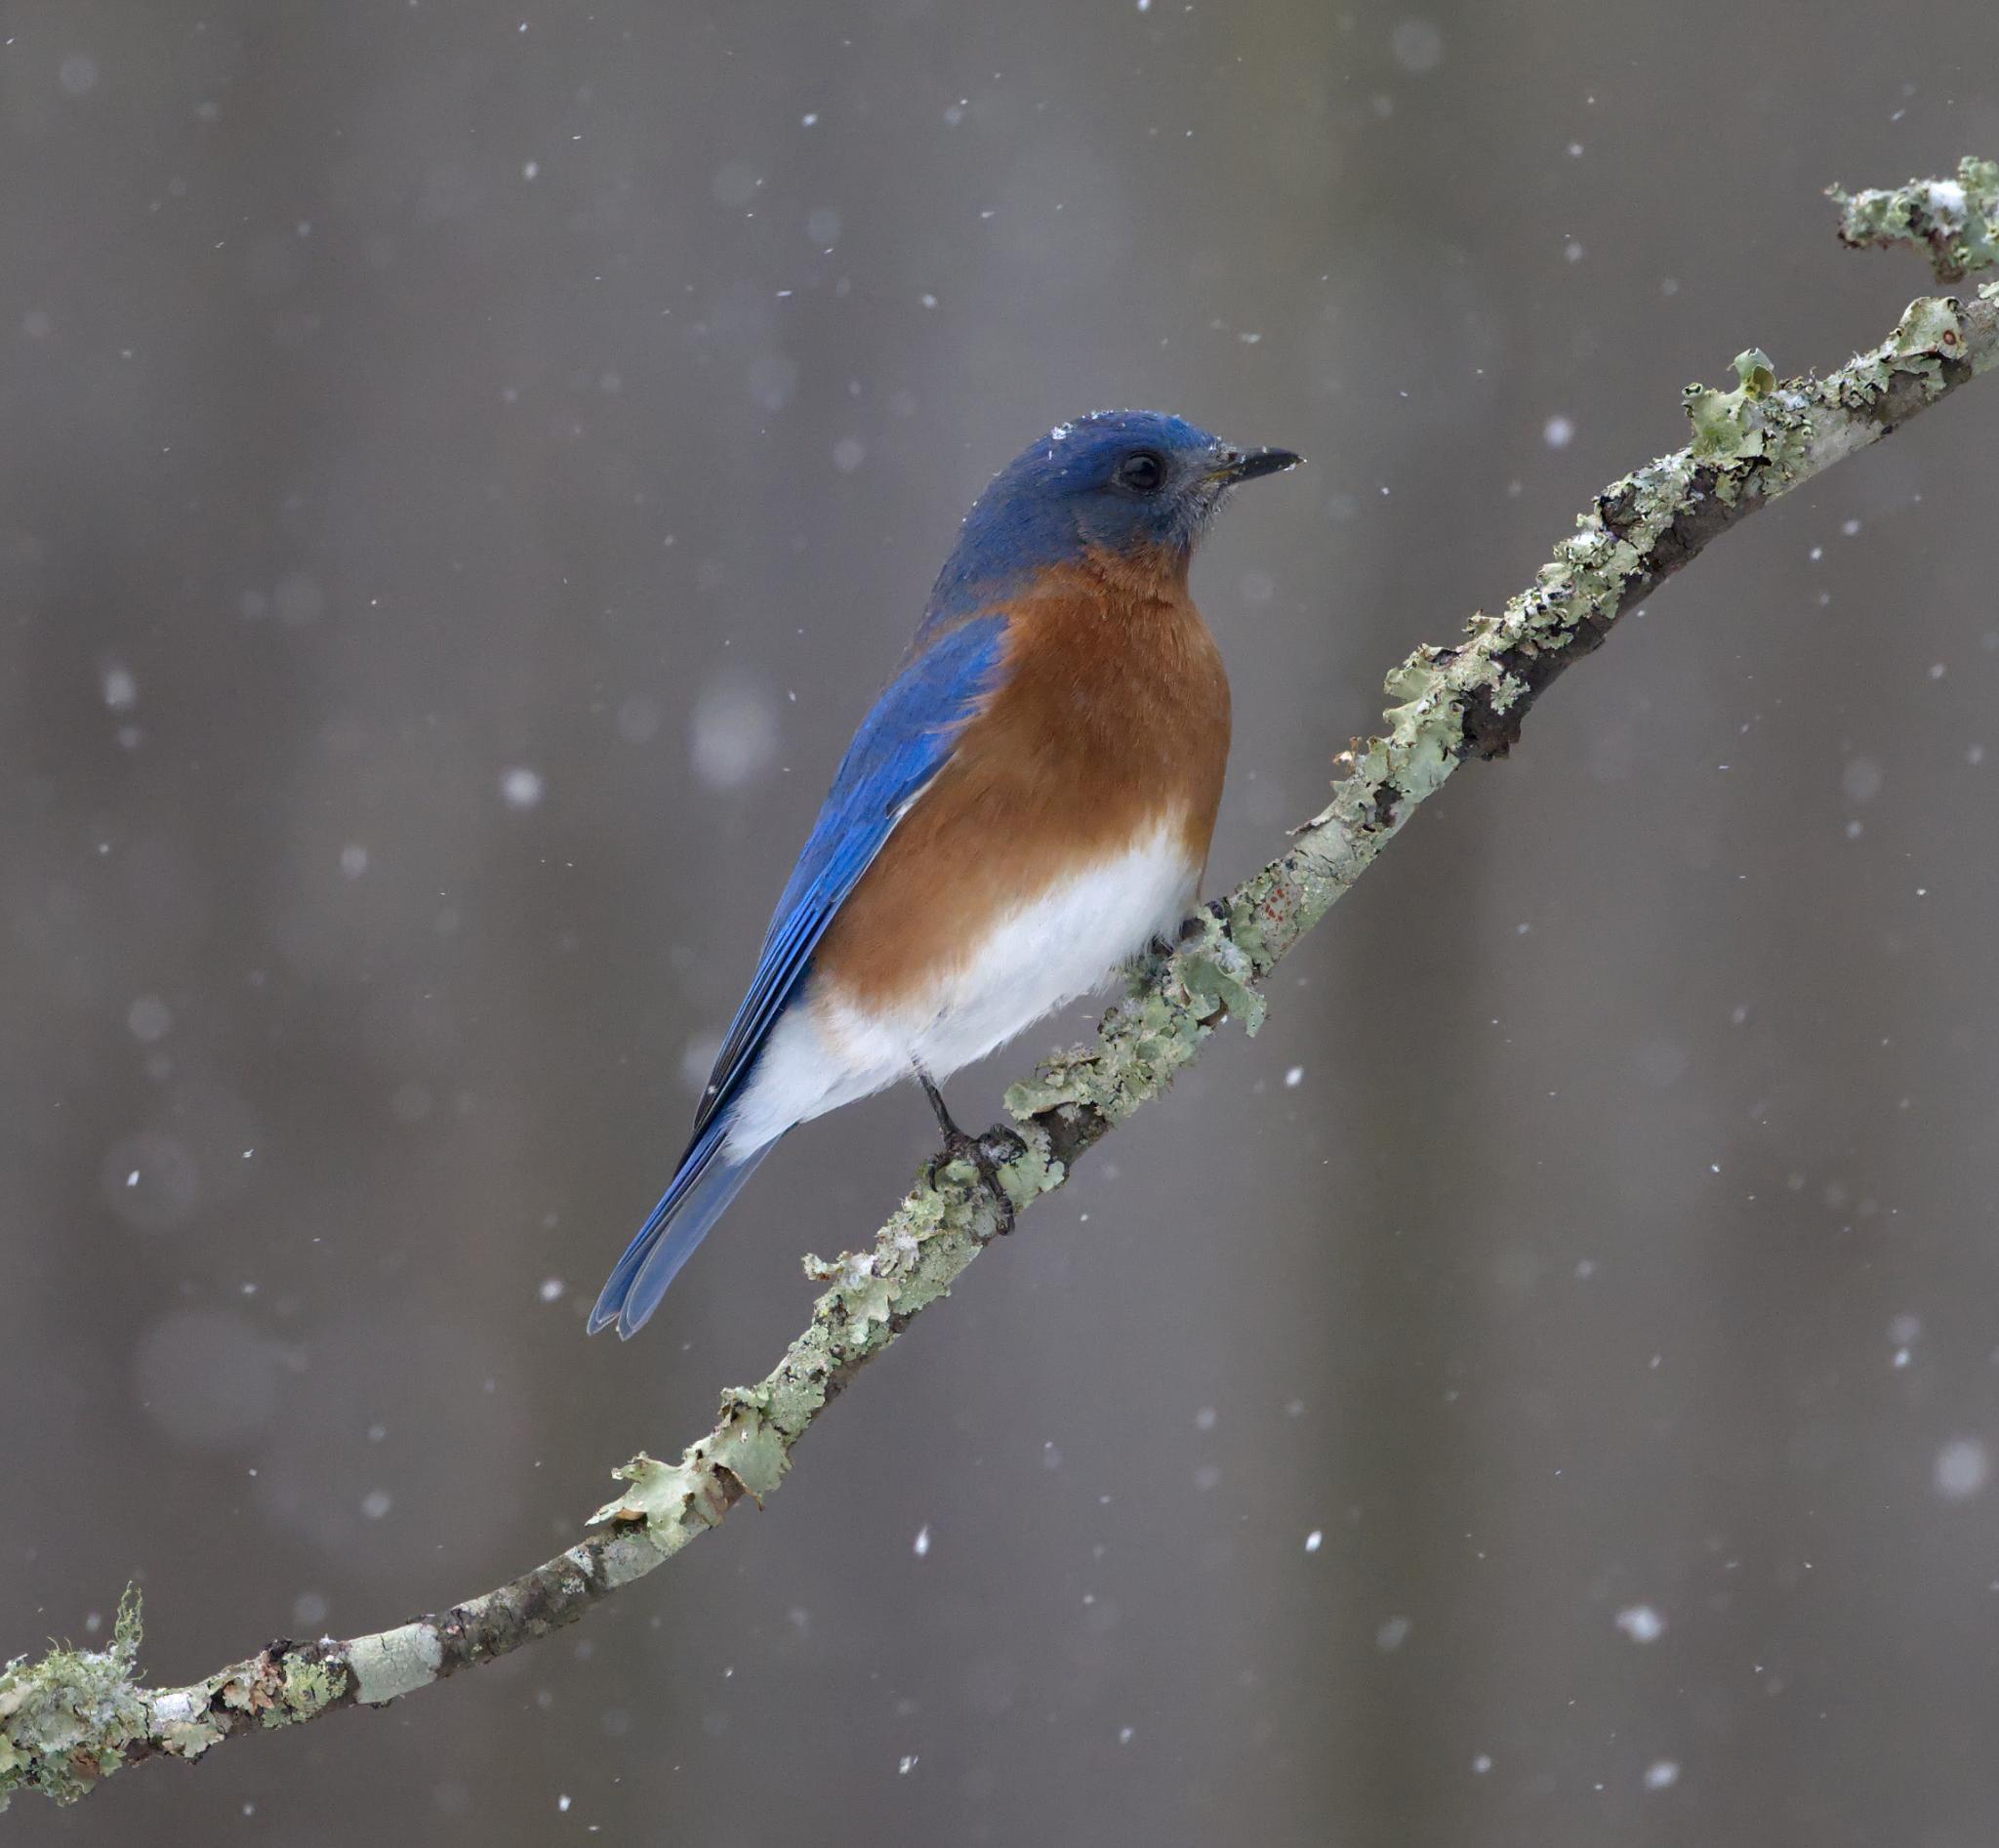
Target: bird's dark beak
1237 465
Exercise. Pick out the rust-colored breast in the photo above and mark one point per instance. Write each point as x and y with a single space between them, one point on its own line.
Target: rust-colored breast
1111 717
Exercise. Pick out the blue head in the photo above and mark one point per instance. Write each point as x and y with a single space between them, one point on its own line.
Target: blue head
1129 484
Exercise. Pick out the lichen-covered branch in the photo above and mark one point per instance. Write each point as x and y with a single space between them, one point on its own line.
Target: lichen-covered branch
1956 220
74 1717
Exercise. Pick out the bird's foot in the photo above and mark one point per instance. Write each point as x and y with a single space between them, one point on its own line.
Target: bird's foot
1165 944
989 1154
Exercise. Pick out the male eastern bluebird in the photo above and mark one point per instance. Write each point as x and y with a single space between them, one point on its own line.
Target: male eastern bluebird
1026 806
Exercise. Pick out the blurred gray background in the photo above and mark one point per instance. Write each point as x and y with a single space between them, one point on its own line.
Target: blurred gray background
463 473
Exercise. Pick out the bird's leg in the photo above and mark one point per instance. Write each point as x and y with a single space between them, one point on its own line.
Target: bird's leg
988 1153
944 1122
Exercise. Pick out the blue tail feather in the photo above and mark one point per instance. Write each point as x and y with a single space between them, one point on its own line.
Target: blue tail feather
707 1181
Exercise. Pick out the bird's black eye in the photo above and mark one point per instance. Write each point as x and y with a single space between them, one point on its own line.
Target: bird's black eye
1142 471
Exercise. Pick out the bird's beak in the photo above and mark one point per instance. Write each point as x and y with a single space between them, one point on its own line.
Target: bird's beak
1236 466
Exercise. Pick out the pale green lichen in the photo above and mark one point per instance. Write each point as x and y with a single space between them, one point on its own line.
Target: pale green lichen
673 1501
1929 327
1753 423
1416 748
276 1689
190 1739
750 1449
788 1402
280 1687
67 1719
1957 221
309 1686
862 1296
1753 369
391 1664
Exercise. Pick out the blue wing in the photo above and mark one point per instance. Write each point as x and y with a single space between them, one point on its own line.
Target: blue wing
902 744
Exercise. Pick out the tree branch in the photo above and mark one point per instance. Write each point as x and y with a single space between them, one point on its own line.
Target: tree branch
73 1717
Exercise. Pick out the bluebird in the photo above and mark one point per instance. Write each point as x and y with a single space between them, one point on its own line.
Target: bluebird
1028 805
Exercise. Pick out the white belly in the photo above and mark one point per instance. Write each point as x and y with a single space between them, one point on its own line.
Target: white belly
824 1052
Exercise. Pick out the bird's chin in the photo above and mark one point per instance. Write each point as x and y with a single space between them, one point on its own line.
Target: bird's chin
1206 501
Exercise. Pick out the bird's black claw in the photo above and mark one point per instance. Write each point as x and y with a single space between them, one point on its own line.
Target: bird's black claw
989 1154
